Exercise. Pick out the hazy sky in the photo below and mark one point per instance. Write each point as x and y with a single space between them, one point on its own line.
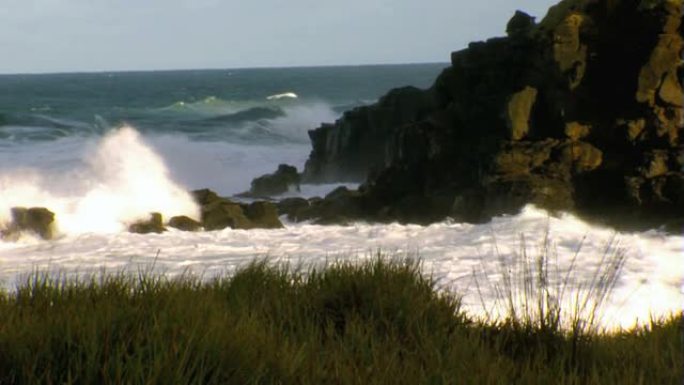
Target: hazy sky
104 35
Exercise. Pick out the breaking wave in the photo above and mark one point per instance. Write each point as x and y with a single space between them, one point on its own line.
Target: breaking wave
120 179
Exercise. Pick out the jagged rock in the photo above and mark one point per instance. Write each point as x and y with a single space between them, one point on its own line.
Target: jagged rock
184 223
37 220
520 25
280 182
592 122
263 215
152 225
349 148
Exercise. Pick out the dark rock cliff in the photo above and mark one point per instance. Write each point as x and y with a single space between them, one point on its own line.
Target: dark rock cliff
581 112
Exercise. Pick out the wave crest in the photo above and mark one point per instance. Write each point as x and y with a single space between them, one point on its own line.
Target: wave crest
285 95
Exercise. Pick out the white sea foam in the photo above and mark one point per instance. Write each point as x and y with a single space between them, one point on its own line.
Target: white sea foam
650 284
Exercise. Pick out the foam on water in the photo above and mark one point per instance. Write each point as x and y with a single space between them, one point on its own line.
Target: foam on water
463 258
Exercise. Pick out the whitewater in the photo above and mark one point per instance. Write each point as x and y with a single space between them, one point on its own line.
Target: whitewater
101 164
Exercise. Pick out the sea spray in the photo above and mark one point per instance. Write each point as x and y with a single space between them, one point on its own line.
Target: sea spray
122 180
298 120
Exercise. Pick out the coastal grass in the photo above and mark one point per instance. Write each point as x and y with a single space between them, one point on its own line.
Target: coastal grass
378 322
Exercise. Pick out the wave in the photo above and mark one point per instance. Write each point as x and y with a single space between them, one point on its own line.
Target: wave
299 119
267 120
247 121
40 127
39 120
249 115
286 95
121 179
211 105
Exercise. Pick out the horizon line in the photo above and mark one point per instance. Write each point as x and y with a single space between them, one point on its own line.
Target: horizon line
129 71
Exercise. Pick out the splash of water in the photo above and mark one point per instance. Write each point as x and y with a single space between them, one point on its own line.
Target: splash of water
122 180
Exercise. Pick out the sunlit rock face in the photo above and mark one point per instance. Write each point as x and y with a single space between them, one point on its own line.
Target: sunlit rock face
581 112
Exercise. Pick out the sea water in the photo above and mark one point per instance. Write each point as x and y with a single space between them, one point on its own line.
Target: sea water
104 149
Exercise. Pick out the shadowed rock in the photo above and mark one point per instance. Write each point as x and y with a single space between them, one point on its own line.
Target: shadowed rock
582 112
263 215
184 223
280 182
223 213
293 208
219 213
36 220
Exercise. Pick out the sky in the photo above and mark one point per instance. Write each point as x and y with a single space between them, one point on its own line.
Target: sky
38 36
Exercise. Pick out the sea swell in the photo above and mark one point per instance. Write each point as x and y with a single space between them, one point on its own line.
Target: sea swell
264 121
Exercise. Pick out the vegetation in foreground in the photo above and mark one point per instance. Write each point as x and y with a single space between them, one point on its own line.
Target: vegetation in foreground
378 323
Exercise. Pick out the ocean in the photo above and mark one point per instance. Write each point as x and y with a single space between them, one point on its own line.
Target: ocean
104 149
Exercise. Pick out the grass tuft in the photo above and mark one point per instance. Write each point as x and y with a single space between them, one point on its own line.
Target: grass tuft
379 322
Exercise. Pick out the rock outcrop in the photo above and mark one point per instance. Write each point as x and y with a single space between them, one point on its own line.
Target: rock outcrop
35 220
219 213
355 144
280 182
581 112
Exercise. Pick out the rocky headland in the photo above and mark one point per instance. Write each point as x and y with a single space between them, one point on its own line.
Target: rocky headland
581 112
